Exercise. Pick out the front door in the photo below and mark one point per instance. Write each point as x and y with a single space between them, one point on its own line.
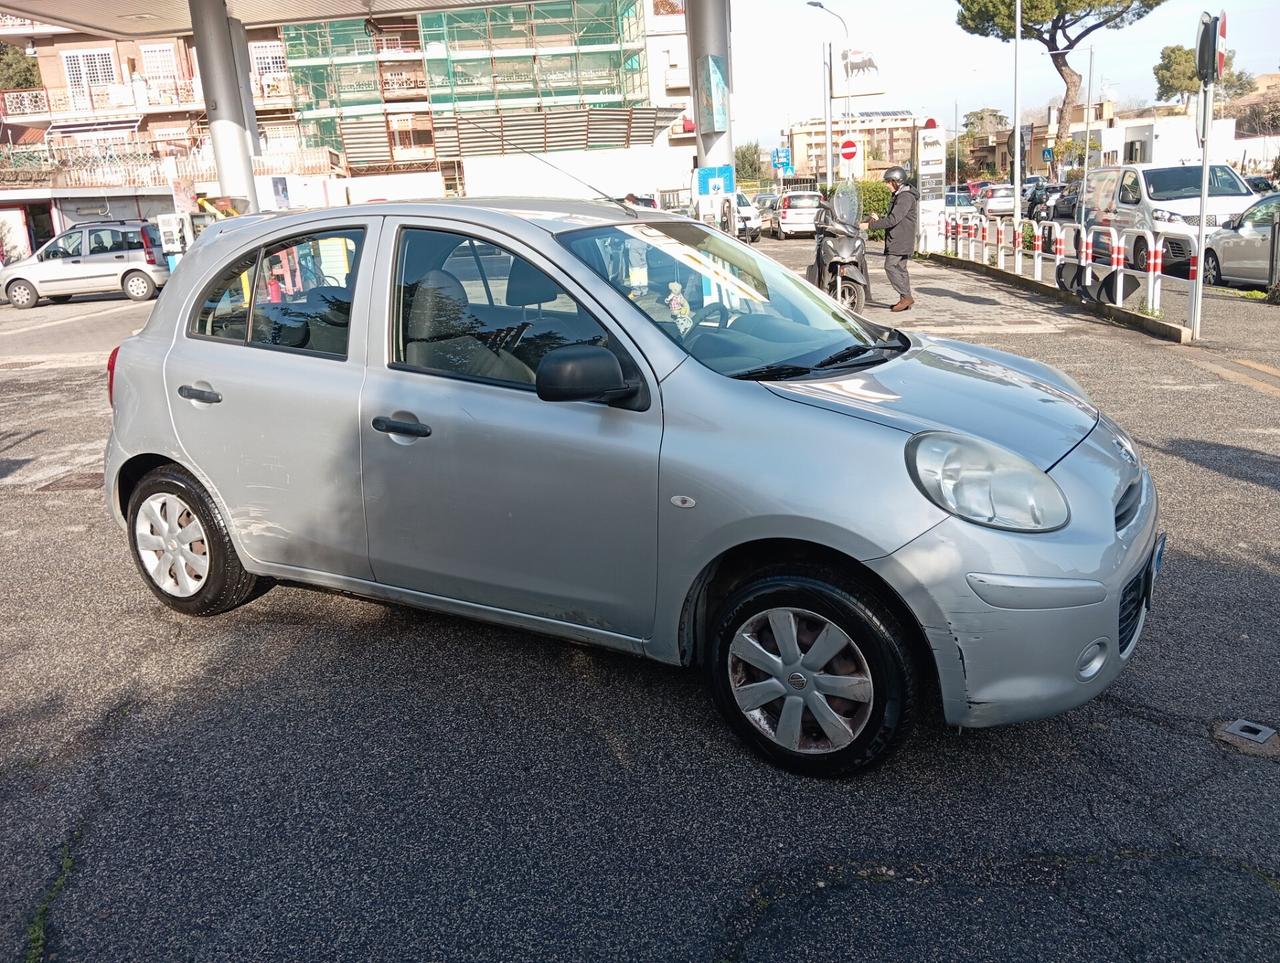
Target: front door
1247 255
61 266
263 383
477 490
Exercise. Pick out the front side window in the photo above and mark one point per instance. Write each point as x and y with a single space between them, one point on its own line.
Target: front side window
473 310
1129 192
66 245
733 310
295 293
1260 215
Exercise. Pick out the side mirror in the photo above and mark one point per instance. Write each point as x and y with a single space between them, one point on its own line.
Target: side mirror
582 372
1229 225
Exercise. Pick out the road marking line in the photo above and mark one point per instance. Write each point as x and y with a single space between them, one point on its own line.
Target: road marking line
1258 366
1238 378
78 317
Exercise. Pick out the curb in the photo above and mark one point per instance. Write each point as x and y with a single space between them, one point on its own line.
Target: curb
1166 330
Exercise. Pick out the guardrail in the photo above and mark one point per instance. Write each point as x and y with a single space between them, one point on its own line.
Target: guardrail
970 237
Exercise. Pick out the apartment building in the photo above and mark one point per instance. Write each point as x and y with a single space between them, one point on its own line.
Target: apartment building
445 96
884 138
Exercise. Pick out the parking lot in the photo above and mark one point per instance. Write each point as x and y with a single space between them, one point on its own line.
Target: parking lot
316 776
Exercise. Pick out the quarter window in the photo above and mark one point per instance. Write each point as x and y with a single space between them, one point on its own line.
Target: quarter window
473 310
296 294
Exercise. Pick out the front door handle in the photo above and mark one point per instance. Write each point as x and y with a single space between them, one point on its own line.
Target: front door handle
393 427
192 393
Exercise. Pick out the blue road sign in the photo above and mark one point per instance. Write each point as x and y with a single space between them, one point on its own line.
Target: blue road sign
788 170
781 157
716 180
1046 155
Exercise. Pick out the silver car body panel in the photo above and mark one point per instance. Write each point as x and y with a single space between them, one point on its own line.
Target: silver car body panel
595 523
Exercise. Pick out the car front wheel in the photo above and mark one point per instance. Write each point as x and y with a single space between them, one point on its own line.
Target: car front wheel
812 672
181 545
22 295
1212 270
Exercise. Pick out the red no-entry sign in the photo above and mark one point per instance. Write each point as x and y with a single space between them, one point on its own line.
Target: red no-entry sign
849 149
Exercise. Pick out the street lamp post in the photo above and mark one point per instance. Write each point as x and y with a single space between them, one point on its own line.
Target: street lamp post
829 87
1017 129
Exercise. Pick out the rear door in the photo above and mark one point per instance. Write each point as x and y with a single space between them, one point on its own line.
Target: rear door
107 257
491 496
263 382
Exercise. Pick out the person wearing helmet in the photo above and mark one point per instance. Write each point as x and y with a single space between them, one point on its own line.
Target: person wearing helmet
899 225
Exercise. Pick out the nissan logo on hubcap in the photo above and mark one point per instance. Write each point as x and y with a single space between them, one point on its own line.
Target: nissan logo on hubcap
797 680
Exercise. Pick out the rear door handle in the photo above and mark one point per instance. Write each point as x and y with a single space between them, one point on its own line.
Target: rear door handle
392 427
192 393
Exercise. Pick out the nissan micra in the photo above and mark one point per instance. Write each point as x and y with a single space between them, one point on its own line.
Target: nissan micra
627 429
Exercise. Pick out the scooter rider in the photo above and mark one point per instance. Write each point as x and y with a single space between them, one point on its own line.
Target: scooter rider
899 225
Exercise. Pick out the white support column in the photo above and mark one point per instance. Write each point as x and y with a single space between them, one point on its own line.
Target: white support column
222 99
707 22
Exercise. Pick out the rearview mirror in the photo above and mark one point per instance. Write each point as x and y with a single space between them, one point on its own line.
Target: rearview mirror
1228 225
582 372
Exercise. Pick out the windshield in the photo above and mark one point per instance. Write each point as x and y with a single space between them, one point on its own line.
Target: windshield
845 204
1179 183
733 310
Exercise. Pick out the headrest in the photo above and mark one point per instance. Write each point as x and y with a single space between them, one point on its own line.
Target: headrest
527 285
439 299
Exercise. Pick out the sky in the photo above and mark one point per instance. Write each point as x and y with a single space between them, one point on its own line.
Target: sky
927 62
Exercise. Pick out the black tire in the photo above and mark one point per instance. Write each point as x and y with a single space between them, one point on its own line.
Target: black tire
853 296
138 286
883 650
1213 270
1140 254
22 295
226 584
59 298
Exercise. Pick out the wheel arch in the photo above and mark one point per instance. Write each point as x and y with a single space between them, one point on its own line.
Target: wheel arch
131 472
721 576
14 280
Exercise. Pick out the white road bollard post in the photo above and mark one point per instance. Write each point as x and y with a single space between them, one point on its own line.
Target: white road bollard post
1193 271
1086 258
1117 267
982 248
1037 251
1000 222
1155 273
1019 234
1059 247
1146 236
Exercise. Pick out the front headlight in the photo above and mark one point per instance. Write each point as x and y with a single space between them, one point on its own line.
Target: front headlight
985 484
1162 215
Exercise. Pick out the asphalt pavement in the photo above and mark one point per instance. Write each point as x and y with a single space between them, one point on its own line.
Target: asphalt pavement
316 776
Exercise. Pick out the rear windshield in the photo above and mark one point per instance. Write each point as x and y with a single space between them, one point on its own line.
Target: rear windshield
802 200
1179 183
1002 192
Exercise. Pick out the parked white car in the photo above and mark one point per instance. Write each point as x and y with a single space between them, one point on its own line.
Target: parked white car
749 217
795 212
1164 200
997 201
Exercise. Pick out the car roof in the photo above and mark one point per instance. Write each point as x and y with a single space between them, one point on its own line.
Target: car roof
554 215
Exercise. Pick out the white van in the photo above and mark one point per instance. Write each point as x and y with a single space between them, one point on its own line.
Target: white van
1145 196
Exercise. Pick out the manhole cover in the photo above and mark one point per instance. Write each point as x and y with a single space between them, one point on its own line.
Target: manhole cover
75 482
1249 737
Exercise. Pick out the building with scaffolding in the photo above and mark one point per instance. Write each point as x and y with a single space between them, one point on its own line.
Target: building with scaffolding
345 108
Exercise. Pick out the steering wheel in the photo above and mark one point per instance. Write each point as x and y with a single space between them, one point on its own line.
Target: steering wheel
702 314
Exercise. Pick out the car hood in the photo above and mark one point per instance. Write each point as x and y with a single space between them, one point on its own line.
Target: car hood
1221 206
1019 404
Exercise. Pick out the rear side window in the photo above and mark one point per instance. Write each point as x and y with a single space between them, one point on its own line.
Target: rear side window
295 294
105 241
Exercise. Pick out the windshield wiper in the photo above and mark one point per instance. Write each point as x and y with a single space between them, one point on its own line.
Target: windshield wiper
770 372
897 342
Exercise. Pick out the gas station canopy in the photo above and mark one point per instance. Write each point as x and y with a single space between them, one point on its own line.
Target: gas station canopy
168 18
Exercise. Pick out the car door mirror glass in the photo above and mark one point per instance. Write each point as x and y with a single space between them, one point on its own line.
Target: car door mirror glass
582 372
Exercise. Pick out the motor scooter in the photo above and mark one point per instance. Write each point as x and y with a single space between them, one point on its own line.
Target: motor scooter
840 257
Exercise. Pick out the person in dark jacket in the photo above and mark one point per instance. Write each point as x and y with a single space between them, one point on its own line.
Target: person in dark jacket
899 225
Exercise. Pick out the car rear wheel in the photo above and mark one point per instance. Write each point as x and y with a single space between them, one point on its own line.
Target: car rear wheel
22 295
181 545
853 296
813 673
138 286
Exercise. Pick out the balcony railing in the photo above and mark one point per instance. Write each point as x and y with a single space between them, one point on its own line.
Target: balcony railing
115 98
144 164
389 46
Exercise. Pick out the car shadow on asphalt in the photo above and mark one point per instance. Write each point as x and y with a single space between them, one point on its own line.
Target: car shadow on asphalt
1243 464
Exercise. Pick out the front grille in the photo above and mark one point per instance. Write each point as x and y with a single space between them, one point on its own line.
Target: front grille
1131 601
1176 250
1127 506
1210 220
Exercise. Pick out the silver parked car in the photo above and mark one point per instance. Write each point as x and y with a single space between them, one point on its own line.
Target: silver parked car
90 258
627 429
1240 251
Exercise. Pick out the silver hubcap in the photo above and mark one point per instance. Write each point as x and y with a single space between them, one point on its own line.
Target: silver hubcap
800 680
172 545
20 295
137 286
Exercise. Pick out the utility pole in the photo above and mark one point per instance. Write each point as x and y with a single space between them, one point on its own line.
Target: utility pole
826 109
1081 197
1017 129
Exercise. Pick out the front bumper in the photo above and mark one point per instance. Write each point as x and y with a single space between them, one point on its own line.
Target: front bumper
1028 626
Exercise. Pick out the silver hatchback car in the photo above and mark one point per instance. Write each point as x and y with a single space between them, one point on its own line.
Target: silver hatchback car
90 258
627 429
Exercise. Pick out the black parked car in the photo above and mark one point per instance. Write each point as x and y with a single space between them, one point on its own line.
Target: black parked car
1260 185
1064 208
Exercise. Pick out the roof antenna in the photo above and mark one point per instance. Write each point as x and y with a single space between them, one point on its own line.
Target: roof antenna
599 193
